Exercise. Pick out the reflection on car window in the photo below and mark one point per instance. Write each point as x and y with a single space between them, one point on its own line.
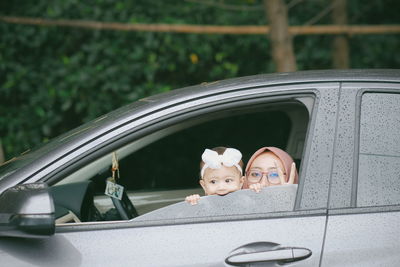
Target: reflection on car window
379 152
270 199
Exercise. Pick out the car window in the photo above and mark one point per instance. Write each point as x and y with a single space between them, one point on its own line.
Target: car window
379 150
270 199
162 168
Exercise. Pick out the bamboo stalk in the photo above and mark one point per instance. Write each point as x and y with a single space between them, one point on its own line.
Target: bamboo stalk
206 29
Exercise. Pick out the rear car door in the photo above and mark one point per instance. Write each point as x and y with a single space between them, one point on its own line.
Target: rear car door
364 217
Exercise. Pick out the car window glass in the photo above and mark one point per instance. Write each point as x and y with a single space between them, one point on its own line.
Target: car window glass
379 150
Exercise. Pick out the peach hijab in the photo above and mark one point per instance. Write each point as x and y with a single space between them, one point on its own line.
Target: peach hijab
286 159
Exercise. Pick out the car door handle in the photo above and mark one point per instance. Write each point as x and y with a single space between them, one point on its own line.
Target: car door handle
286 254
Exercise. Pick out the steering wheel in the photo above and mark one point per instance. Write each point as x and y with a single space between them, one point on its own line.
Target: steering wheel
125 207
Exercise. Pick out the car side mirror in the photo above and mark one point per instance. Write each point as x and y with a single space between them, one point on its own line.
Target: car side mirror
27 210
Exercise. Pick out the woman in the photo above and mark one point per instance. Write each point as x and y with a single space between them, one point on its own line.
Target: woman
270 166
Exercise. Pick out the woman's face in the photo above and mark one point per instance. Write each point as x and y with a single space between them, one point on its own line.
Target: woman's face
264 170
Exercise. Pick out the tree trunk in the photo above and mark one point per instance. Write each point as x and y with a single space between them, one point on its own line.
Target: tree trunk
340 42
281 40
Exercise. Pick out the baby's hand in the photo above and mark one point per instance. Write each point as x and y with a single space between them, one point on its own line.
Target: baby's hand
193 199
255 187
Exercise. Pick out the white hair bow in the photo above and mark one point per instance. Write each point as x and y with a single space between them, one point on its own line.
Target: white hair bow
231 157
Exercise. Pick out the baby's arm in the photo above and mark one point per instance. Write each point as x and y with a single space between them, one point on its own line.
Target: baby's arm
193 199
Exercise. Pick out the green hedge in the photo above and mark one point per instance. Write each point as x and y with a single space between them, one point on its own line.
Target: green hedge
54 78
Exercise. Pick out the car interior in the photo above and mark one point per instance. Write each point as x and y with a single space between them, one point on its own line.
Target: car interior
162 168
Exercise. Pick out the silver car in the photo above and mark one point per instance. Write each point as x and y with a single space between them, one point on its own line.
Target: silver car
341 127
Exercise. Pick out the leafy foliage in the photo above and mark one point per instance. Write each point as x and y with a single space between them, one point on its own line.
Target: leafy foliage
54 78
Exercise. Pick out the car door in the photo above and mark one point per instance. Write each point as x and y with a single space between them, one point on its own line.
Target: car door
273 238
363 224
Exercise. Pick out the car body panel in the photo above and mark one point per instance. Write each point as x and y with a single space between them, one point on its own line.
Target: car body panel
184 245
362 239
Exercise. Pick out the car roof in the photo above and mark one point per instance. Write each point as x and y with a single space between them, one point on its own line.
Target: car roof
351 75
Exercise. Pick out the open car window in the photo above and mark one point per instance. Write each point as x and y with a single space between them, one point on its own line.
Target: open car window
158 170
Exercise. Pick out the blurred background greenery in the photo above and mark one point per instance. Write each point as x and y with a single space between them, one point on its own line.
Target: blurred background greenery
54 78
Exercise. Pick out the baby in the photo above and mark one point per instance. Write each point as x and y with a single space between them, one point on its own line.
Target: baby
220 172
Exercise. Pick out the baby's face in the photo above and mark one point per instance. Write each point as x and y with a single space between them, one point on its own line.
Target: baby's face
266 162
221 181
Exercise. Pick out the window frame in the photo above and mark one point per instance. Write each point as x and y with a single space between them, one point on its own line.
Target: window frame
343 194
306 90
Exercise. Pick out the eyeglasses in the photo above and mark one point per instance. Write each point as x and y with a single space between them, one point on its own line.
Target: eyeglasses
255 176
